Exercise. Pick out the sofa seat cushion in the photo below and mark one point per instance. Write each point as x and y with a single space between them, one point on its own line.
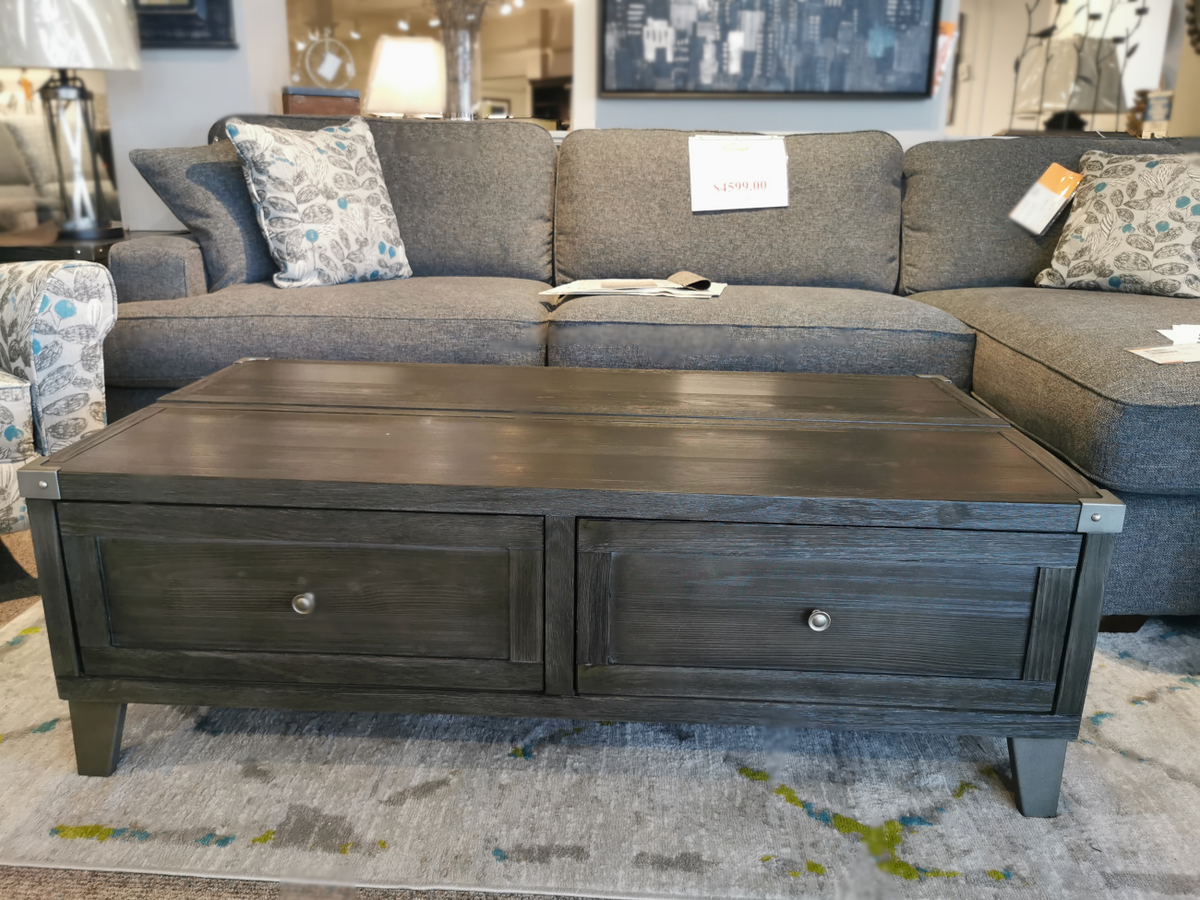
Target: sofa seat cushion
754 328
1055 362
163 343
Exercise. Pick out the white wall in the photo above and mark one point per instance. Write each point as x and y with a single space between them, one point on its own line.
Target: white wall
910 120
178 94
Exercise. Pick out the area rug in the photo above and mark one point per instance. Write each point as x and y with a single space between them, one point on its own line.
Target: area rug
608 809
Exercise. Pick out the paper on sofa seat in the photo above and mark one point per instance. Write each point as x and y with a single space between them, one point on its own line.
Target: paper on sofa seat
1175 353
636 287
1182 334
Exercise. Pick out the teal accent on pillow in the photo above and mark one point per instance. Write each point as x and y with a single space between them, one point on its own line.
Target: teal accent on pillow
293 176
1130 227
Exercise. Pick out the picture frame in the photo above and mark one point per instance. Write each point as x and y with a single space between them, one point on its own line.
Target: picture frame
178 24
720 49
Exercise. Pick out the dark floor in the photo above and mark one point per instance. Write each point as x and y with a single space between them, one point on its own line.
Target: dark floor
18 576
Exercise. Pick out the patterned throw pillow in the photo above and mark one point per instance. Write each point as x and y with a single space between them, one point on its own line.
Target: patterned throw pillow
1134 227
321 203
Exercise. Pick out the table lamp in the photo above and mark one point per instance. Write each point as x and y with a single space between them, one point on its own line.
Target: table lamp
65 35
408 77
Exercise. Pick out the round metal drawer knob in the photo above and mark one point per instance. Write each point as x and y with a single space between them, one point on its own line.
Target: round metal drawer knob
304 603
819 620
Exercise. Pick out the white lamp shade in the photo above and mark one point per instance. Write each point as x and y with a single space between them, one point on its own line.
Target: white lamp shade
69 34
408 77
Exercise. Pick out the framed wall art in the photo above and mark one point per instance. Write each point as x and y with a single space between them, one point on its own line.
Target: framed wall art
185 23
767 48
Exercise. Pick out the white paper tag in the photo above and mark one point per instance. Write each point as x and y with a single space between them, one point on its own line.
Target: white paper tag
1045 200
1176 353
1182 334
737 172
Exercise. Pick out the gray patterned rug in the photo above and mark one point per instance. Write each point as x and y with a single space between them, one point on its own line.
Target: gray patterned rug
614 810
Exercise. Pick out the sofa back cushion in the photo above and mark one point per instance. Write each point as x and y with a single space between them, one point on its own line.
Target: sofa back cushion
624 211
957 198
471 198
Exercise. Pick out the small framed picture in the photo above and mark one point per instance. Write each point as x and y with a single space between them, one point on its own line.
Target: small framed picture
185 23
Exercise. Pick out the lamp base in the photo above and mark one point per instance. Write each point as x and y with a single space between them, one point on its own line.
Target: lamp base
98 233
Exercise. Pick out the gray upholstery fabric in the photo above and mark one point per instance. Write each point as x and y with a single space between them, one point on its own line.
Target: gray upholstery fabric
1156 562
157 267
166 343
1055 363
957 198
124 401
471 198
793 329
205 188
624 211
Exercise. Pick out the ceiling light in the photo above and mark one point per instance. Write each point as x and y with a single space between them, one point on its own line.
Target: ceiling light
300 45
505 9
354 36
435 22
518 3
402 24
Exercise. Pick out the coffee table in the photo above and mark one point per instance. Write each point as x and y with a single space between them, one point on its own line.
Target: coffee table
879 553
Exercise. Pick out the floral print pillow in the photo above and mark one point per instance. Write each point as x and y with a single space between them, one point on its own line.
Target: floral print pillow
1134 227
321 203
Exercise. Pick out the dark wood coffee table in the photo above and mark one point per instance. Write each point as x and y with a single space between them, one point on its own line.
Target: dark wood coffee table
876 553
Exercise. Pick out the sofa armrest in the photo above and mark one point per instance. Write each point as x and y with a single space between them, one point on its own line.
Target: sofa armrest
53 319
157 267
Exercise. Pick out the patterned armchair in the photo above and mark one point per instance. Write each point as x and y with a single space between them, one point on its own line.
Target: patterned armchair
53 320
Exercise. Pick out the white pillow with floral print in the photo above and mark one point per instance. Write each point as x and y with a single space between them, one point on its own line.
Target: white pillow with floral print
1134 227
321 203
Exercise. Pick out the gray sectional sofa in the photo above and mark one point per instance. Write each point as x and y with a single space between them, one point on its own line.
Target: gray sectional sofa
884 263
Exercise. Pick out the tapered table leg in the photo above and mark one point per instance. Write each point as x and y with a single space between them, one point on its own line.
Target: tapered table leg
1037 766
97 728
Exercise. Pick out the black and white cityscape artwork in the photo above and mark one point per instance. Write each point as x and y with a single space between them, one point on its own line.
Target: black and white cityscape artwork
768 46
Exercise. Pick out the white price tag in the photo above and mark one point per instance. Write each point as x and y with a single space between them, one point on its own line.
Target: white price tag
737 171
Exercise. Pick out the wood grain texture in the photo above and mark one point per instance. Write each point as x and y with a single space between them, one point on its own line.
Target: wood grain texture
830 543
526 605
230 595
96 729
333 527
818 687
560 605
980 515
631 709
572 454
314 669
904 619
1085 621
593 593
618 392
1048 628
81 557
52 582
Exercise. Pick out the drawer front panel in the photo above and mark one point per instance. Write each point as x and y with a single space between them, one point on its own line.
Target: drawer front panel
377 601
901 603
211 590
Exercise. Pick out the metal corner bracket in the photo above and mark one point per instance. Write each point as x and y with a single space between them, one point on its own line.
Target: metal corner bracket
246 359
1103 516
38 481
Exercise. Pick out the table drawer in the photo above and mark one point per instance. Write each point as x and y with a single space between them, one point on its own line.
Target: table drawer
293 594
699 609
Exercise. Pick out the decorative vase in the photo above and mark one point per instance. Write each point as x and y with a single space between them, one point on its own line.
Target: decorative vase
461 22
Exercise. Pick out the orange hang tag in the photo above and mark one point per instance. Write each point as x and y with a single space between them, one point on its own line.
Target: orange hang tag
1045 200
